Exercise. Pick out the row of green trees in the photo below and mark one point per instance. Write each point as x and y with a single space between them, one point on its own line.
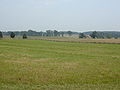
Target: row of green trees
99 35
41 33
51 33
55 33
12 35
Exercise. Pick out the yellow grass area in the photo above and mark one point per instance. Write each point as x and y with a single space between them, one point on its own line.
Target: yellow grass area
83 40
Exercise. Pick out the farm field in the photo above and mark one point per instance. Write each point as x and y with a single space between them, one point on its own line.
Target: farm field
109 41
46 65
70 39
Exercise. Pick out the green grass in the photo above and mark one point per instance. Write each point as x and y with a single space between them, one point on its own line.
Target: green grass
36 65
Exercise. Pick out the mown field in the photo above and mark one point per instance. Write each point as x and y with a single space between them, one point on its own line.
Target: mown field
63 39
46 65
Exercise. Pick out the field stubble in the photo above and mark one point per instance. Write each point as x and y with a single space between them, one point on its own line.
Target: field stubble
36 64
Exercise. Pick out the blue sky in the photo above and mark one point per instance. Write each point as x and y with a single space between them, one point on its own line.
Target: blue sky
75 15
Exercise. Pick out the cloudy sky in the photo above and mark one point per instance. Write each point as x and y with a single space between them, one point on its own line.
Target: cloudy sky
75 15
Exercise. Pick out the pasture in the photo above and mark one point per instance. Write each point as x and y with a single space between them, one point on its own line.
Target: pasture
46 65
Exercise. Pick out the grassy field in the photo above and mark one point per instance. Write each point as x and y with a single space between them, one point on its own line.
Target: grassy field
70 39
63 39
45 65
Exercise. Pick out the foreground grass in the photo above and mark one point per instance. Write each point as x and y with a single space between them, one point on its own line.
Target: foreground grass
35 64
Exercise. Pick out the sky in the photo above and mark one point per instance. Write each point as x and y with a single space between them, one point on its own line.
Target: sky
62 15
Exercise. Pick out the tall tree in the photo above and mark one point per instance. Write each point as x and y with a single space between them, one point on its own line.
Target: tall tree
24 36
41 33
82 35
70 33
94 34
62 33
12 35
49 33
1 35
55 33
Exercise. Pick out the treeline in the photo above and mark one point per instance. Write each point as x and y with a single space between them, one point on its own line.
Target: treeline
104 34
46 33
55 33
12 35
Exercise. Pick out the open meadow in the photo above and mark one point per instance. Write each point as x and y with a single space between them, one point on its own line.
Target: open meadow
63 39
47 65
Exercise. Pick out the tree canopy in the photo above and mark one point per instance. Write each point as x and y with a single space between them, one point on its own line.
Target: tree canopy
12 35
24 36
1 35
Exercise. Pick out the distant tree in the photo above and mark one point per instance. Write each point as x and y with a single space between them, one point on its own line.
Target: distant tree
101 35
30 30
49 33
24 36
55 32
44 34
32 33
1 35
58 34
41 33
70 33
62 33
12 35
94 34
116 37
109 36
82 35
